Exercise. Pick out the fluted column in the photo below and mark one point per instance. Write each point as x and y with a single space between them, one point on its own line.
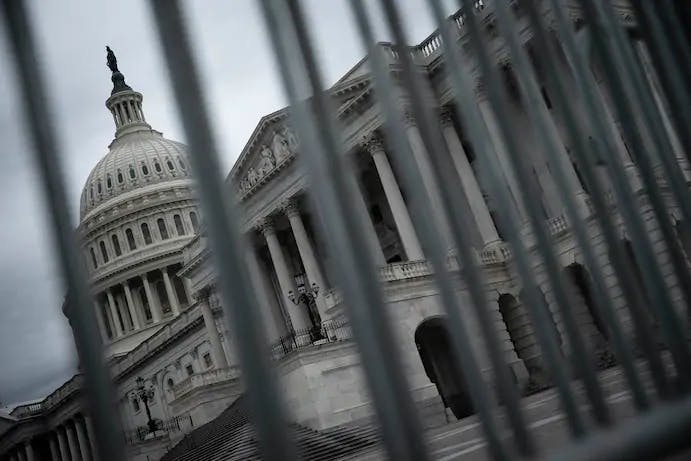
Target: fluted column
130 305
114 313
500 150
309 260
375 146
91 437
54 453
72 442
62 443
471 188
81 439
220 360
154 304
422 158
172 298
298 316
271 314
101 323
29 450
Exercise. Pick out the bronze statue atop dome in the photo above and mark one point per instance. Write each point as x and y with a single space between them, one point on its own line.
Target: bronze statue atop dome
111 60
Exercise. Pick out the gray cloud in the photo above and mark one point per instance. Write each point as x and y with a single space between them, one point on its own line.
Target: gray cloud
36 350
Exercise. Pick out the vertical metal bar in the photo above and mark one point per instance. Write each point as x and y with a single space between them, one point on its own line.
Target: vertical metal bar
585 87
580 354
650 268
227 244
333 193
671 69
480 138
436 253
527 80
47 153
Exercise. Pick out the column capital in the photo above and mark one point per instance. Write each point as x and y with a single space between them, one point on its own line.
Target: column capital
408 116
266 226
203 294
447 115
373 143
290 207
480 89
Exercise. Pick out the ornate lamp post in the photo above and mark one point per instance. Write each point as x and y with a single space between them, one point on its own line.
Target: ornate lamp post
308 296
145 394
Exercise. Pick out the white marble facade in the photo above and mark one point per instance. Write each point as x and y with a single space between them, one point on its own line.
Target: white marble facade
154 284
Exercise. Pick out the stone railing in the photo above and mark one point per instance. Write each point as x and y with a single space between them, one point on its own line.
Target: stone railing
25 411
496 254
205 378
183 321
52 400
557 225
405 270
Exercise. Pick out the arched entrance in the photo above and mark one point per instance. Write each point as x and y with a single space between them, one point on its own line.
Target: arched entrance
434 346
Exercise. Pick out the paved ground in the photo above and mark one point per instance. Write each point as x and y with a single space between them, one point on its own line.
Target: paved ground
462 440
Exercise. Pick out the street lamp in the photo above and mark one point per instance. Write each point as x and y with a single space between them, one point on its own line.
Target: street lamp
308 296
145 394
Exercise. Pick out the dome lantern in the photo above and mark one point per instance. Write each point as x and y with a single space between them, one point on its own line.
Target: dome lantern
124 103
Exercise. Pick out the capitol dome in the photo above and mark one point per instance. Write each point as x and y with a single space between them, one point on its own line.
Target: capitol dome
137 213
139 156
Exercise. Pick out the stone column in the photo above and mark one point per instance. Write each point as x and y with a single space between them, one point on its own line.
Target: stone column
309 260
91 437
172 298
130 305
72 442
375 146
20 453
500 150
29 450
101 323
220 360
472 190
429 181
54 453
62 443
114 313
298 315
81 439
271 313
154 304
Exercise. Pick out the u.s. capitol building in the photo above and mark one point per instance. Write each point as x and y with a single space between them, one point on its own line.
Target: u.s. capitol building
171 356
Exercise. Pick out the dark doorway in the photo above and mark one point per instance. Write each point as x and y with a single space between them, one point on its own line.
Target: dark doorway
434 345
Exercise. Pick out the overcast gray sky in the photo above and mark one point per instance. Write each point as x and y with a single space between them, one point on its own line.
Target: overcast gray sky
36 349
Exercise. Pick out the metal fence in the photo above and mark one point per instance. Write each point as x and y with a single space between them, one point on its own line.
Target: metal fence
663 421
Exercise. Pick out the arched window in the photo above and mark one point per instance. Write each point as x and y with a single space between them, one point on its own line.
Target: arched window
135 405
171 167
109 181
91 192
157 166
145 169
146 233
99 188
120 177
116 245
130 239
179 228
104 252
182 164
162 229
170 383
194 221
133 174
93 258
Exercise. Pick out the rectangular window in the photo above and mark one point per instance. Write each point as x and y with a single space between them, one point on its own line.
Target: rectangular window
190 370
208 363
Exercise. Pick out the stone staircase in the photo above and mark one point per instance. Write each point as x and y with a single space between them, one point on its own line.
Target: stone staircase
231 436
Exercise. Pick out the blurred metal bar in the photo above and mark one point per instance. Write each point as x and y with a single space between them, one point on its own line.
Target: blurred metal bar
227 244
333 193
650 268
581 355
585 87
527 80
47 155
466 106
